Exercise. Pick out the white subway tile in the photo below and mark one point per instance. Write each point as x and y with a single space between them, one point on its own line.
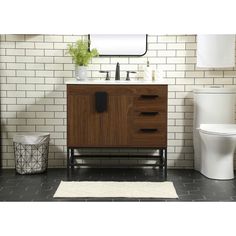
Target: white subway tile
16 107
53 66
194 74
54 108
7 101
24 59
44 45
191 46
60 45
15 66
53 38
223 81
71 39
62 60
34 38
35 121
25 128
44 73
213 73
26 114
8 86
35 107
34 80
45 114
175 74
16 121
186 38
35 66
15 37
24 45
25 73
53 52
7 45
34 52
44 59
185 67
44 101
25 87
7 58
166 53
54 121
26 101
63 74
176 60
44 87
15 52
34 94
177 46
166 39
44 128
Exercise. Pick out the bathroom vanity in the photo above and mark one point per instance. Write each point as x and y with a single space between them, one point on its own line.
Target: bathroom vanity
117 115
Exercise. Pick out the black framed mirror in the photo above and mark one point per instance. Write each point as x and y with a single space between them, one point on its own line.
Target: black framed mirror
119 44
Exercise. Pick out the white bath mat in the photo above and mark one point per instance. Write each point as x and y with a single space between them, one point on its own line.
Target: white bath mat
96 189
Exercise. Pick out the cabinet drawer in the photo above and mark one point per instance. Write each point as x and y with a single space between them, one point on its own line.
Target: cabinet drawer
149 116
148 134
150 102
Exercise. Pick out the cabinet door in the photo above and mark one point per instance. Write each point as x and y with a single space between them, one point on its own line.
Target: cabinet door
84 123
115 122
89 128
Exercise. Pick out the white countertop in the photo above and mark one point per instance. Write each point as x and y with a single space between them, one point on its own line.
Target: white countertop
117 82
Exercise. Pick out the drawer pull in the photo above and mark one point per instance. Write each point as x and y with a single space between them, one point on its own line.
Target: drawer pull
149 113
149 96
148 130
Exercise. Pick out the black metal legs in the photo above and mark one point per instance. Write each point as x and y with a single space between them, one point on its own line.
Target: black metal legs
165 163
161 160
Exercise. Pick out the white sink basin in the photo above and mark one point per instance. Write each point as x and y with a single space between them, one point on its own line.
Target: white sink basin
90 81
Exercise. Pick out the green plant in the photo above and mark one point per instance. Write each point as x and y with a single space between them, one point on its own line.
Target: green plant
80 54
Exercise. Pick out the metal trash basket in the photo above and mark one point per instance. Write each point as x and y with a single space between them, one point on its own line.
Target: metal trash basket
31 152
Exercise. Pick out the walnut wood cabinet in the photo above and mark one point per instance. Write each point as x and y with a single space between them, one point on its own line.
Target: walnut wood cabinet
135 116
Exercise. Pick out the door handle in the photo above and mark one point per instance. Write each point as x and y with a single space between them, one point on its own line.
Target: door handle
148 130
149 113
144 96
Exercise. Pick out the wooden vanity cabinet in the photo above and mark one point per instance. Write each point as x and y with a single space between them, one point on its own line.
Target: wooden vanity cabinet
136 116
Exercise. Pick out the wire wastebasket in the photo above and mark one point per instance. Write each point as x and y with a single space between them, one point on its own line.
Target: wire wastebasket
31 152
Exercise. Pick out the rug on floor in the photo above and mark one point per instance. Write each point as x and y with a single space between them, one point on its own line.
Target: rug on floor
111 189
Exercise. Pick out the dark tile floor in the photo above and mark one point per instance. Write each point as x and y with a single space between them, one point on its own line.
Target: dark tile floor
190 185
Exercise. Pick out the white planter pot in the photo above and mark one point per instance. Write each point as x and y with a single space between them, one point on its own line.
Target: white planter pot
81 72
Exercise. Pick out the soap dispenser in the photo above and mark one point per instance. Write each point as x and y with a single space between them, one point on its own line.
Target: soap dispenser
148 72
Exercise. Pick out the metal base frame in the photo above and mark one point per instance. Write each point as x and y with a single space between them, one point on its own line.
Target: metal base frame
161 159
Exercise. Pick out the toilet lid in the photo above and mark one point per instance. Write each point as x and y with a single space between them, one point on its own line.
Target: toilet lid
224 129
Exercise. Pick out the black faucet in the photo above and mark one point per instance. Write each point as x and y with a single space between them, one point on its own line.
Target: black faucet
107 72
117 77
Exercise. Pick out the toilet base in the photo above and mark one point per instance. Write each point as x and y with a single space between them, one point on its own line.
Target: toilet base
217 177
217 153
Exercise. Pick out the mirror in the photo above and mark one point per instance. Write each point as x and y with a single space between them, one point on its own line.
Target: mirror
119 45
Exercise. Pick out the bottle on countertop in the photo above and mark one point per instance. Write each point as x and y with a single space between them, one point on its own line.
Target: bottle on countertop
148 72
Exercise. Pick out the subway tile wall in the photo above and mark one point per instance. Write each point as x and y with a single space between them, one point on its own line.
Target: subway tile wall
33 71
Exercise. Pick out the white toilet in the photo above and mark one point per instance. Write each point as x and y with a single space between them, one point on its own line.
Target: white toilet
214 133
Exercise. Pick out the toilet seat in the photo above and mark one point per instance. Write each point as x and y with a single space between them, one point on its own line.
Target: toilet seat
218 129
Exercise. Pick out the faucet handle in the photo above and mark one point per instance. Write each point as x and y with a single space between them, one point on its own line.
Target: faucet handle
107 72
128 72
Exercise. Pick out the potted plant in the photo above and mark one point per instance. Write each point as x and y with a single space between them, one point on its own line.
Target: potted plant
81 56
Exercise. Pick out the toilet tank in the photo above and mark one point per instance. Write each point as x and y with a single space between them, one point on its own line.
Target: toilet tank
214 106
